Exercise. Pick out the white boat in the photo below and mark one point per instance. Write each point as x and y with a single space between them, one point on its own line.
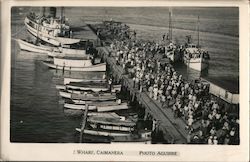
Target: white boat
96 103
51 51
98 118
96 87
172 53
122 106
142 137
72 88
31 47
50 30
71 61
103 132
77 107
68 80
111 127
196 58
88 96
72 51
121 137
94 68
100 106
64 52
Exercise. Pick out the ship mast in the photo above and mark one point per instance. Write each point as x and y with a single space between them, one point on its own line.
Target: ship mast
198 31
43 12
62 10
170 24
61 20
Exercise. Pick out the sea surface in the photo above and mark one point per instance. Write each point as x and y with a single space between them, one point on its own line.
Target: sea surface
36 110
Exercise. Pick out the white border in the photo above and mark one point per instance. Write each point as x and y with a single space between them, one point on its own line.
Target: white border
64 152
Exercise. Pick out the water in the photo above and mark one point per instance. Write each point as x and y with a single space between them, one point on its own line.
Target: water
37 113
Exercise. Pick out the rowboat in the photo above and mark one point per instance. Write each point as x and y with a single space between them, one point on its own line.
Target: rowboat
70 61
122 106
50 30
96 103
111 122
105 133
51 51
143 137
64 52
96 87
100 106
75 64
72 88
76 107
31 47
89 81
93 68
119 136
88 96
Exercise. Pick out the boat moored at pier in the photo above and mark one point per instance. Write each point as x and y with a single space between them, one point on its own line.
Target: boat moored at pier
88 97
196 58
50 29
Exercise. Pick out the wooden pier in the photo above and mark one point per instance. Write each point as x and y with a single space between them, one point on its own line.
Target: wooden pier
173 128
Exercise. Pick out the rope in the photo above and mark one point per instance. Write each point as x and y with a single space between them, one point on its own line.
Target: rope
18 31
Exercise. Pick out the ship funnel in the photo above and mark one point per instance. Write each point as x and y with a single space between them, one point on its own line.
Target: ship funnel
52 12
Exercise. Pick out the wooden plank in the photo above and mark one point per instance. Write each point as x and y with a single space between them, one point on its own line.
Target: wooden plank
84 123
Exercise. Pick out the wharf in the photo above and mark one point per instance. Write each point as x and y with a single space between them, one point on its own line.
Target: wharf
85 33
173 128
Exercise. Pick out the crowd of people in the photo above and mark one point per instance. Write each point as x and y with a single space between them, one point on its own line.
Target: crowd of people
207 121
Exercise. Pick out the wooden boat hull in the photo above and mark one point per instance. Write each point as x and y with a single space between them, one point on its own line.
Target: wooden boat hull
72 62
61 53
73 51
68 80
88 97
57 41
198 64
131 141
103 133
72 88
122 106
112 127
127 138
111 121
106 108
81 107
96 103
94 68
24 45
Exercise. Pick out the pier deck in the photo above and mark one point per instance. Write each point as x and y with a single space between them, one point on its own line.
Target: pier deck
173 128
84 33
